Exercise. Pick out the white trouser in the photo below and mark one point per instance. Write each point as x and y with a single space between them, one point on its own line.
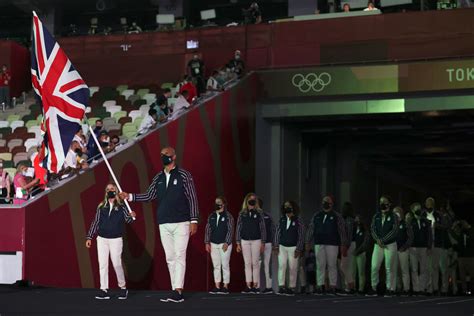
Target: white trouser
438 263
359 268
267 255
175 238
326 257
286 259
221 260
347 266
389 253
403 270
251 253
418 257
112 247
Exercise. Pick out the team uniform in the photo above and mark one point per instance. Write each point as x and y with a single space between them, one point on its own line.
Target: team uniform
361 238
404 242
347 266
422 242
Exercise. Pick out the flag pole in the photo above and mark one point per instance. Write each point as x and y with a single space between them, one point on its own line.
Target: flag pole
109 166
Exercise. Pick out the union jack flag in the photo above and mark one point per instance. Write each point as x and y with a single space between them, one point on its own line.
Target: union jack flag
63 95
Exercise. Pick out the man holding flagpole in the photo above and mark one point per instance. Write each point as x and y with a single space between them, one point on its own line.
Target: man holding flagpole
177 216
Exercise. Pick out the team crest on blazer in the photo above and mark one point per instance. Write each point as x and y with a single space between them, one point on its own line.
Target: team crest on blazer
223 219
175 182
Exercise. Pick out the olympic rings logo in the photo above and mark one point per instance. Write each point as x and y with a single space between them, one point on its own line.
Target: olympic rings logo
311 81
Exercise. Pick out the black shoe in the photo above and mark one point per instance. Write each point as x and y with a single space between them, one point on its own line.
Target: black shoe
282 291
303 290
331 292
215 291
102 295
268 291
247 290
371 293
290 292
404 294
123 294
389 294
319 291
176 297
254 290
224 291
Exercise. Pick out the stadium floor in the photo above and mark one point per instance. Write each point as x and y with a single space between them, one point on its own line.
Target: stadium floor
48 301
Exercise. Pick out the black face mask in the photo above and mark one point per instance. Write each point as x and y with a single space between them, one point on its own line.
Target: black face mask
383 207
104 144
288 210
98 128
218 206
78 152
326 205
417 212
111 194
429 209
166 160
252 202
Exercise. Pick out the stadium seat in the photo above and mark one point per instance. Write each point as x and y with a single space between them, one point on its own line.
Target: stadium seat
114 109
133 98
88 109
117 132
127 127
31 143
138 122
139 103
172 101
168 85
13 117
18 149
142 92
14 142
134 114
127 93
93 90
122 88
3 142
15 124
10 170
144 109
122 121
31 151
109 103
40 118
6 157
35 130
21 156
119 114
31 123
4 124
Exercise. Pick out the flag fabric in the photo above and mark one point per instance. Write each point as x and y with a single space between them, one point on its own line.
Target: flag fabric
62 93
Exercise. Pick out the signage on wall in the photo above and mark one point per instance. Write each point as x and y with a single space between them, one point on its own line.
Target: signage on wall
125 47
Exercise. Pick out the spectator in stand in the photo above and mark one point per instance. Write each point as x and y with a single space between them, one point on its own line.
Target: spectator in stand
267 255
212 83
288 244
21 185
237 65
181 83
181 103
190 88
163 113
218 240
79 137
134 29
149 122
115 141
5 78
163 98
346 7
5 185
92 149
404 241
253 15
362 240
74 161
196 70
104 141
371 7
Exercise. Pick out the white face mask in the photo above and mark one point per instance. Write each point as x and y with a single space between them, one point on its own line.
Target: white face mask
1 165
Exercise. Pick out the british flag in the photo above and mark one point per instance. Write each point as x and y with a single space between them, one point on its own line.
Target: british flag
62 93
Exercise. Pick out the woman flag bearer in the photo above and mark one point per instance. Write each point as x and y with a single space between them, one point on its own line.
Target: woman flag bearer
218 240
384 230
109 225
250 239
288 244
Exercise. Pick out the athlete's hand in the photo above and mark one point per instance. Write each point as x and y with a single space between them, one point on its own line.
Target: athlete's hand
193 229
88 243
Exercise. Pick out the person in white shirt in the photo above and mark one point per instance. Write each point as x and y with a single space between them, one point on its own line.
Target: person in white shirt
181 103
370 7
78 137
71 157
212 83
148 122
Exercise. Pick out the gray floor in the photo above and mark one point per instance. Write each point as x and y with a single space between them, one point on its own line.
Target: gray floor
15 301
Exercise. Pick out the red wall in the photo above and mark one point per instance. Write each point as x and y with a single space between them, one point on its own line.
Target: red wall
215 142
17 58
155 57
